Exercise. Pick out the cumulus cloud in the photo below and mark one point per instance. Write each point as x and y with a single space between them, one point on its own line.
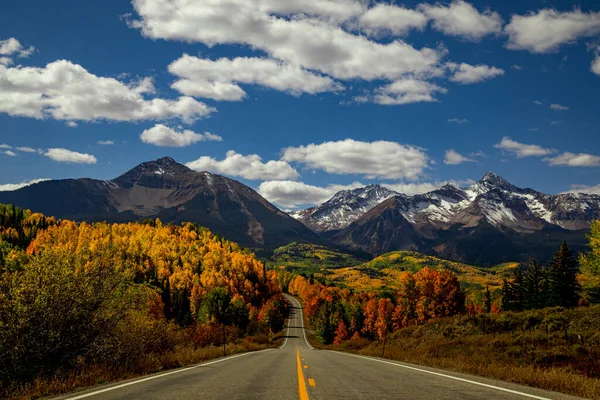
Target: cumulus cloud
587 189
379 159
11 47
466 74
105 142
9 153
521 150
6 187
595 65
5 146
452 157
72 124
246 166
386 18
218 80
66 91
546 30
404 91
459 120
164 136
28 150
64 155
463 20
558 107
574 160
292 194
300 38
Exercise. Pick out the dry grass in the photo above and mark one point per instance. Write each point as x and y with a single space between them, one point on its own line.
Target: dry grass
529 353
150 363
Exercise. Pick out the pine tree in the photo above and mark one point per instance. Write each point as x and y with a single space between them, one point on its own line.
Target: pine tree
563 287
487 300
535 286
513 296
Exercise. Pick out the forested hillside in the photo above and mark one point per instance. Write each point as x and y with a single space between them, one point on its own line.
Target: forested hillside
81 302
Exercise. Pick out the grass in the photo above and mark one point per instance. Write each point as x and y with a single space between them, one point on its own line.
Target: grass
310 258
383 273
552 349
92 375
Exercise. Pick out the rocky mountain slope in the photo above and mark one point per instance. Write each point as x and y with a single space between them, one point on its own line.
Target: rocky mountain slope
489 222
343 208
172 192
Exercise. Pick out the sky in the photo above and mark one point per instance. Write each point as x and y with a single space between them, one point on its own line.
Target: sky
301 98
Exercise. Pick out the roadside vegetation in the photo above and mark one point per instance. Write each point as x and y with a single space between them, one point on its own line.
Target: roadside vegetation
83 304
540 327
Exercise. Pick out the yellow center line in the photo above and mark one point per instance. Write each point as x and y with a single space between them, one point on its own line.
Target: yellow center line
311 382
306 366
302 392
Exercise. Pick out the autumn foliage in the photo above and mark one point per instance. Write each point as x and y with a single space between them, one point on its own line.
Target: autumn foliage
122 295
338 314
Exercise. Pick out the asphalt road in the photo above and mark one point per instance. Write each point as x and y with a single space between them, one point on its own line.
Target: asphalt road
297 371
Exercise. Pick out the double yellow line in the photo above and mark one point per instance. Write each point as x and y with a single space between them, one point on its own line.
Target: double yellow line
302 392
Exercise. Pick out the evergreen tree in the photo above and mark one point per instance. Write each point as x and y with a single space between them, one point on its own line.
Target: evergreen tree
562 278
513 292
535 286
487 300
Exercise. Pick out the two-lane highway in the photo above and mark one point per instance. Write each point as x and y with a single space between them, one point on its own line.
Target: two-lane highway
297 371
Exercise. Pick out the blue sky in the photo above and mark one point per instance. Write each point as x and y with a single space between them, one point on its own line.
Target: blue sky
410 94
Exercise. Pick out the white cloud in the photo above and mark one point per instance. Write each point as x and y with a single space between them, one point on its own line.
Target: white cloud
72 124
164 136
404 91
9 153
558 107
379 159
5 146
291 194
587 189
463 20
517 67
307 42
546 30
249 167
521 150
66 91
386 18
537 103
459 120
28 150
454 158
11 47
556 122
466 74
574 160
478 154
105 142
6 187
64 155
201 77
595 65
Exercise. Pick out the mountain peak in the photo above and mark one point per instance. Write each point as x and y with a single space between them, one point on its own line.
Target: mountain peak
147 172
493 179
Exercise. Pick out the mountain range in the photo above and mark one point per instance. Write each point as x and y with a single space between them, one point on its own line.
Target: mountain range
172 192
489 222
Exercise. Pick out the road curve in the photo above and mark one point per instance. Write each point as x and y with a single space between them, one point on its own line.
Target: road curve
297 371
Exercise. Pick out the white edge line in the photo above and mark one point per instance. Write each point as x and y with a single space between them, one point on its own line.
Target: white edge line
302 322
161 375
444 375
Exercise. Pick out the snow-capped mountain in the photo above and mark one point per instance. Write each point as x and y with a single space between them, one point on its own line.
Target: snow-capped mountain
490 221
343 208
